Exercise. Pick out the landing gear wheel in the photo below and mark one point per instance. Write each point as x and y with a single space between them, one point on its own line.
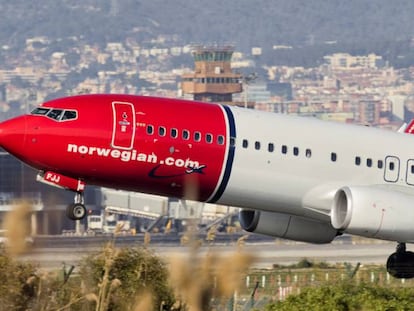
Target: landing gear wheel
76 211
401 263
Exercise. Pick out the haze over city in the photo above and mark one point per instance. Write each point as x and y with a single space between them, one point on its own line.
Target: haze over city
51 49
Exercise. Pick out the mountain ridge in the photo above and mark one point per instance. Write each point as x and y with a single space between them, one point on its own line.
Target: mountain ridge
243 22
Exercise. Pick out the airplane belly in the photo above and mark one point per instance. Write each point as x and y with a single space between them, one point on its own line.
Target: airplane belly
269 192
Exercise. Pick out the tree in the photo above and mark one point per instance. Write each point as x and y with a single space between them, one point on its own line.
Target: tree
120 278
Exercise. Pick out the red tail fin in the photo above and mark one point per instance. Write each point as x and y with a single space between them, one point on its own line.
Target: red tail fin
410 128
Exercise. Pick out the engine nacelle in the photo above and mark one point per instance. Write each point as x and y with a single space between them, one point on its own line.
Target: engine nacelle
374 212
287 226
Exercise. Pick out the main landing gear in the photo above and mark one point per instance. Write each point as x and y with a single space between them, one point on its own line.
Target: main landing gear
77 210
401 263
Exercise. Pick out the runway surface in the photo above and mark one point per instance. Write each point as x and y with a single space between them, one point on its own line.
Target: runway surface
266 253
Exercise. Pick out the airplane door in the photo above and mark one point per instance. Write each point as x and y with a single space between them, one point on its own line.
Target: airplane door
392 169
124 125
410 172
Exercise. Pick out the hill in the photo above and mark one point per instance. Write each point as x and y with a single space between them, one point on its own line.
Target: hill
356 24
245 22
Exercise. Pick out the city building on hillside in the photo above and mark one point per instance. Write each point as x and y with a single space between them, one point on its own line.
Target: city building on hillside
258 93
345 60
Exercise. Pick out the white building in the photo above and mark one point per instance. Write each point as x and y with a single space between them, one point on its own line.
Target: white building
345 60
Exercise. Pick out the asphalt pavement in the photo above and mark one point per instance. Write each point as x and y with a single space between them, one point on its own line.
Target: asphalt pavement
53 253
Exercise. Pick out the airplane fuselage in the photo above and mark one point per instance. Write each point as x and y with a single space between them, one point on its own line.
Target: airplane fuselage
212 153
234 155
295 178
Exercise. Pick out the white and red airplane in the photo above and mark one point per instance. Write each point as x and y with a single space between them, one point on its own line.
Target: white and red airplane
294 178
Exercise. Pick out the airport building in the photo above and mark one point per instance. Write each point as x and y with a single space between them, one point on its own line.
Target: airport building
107 208
213 79
18 183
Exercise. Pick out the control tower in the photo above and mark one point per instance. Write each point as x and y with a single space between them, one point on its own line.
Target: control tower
212 80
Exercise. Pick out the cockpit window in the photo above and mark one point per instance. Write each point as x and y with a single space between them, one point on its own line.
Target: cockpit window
55 114
40 111
69 115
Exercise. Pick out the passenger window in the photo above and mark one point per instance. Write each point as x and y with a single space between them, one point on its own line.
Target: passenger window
369 162
392 166
257 145
186 134
197 136
220 140
380 164
150 129
209 138
245 143
412 169
308 153
357 160
333 157
174 133
161 131
284 149
69 115
295 151
55 114
270 147
232 141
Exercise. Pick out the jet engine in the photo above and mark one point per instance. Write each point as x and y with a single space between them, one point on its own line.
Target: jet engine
375 212
287 226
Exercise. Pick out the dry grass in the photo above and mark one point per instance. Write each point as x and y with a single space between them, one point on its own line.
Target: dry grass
198 279
144 302
17 226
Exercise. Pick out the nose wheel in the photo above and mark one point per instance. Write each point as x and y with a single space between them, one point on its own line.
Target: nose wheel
77 210
401 263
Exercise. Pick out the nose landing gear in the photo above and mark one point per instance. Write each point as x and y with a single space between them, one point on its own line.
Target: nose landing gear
401 263
77 210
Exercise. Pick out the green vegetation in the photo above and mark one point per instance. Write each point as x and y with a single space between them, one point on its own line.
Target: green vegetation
347 296
124 279
109 280
15 283
118 279
305 263
136 279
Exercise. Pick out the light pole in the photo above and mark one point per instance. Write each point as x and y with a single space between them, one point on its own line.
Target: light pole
246 80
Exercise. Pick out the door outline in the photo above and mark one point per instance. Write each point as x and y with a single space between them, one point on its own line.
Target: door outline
392 169
123 125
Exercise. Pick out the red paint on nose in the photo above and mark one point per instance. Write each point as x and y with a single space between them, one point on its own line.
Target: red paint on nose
13 136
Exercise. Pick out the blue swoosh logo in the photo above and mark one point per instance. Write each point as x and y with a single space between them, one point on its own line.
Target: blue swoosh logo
188 171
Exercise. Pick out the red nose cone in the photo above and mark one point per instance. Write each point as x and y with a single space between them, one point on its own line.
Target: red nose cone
13 136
